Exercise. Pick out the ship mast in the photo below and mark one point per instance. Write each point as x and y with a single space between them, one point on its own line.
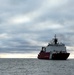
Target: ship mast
55 39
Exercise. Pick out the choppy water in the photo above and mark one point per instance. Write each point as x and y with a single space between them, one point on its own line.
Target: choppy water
36 67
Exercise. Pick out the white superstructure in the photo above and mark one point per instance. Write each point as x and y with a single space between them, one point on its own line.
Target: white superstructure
55 46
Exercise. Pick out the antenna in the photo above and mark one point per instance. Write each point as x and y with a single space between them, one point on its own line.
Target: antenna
55 40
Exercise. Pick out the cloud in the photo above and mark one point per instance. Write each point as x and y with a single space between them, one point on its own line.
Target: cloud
27 25
19 20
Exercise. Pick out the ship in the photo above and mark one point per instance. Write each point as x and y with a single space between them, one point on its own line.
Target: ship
55 50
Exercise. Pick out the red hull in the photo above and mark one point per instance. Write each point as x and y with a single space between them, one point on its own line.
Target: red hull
44 55
55 56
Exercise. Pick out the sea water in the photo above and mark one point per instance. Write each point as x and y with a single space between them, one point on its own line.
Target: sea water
36 67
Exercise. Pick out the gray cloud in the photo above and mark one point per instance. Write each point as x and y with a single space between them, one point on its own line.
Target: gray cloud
26 25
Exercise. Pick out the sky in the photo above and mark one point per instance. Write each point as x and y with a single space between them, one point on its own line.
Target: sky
27 25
